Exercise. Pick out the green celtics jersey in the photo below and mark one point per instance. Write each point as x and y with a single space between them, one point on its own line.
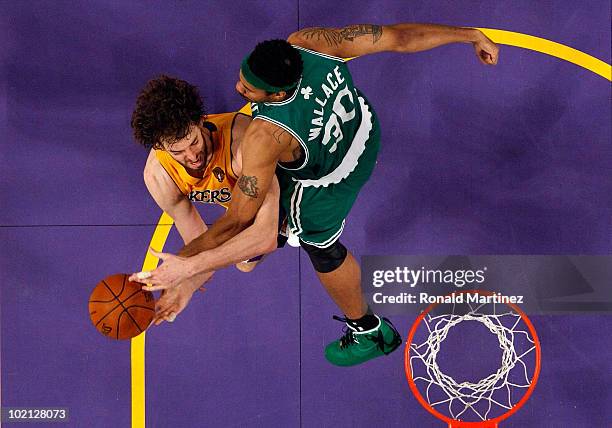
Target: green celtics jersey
327 115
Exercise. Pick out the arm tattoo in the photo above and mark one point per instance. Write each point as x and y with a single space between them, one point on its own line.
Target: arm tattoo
248 185
334 37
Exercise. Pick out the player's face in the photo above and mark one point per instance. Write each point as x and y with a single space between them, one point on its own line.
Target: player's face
194 150
249 92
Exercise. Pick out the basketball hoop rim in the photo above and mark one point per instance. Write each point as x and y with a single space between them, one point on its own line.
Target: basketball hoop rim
489 422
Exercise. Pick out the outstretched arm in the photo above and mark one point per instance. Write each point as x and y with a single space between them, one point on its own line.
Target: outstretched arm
364 39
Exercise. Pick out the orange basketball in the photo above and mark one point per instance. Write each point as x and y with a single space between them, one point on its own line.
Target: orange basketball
120 309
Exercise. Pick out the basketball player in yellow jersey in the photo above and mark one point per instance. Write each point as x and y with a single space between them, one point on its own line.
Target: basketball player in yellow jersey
196 158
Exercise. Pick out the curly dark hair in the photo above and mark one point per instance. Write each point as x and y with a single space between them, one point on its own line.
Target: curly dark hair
165 110
276 62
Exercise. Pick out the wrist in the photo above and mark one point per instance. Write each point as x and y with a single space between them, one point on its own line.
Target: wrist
195 287
192 266
472 35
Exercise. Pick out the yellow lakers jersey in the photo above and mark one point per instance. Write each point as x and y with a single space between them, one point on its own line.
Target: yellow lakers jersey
215 186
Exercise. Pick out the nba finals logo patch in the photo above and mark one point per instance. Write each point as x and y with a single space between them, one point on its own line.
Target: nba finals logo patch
219 174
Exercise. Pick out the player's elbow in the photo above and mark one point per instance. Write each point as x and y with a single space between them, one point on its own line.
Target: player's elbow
268 244
266 233
411 38
401 39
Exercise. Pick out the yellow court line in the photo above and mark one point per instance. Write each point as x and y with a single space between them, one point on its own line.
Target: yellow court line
137 348
164 225
548 47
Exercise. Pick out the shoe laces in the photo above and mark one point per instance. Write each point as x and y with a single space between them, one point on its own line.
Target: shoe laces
349 337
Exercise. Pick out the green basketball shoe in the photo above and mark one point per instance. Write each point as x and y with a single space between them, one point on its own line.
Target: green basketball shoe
357 347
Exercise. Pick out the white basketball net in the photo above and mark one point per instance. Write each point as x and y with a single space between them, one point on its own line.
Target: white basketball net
468 401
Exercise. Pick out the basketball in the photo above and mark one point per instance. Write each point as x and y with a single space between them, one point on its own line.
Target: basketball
120 309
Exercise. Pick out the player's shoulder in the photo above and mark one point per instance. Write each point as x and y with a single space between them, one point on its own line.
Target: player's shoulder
263 124
152 165
155 175
312 48
300 41
240 123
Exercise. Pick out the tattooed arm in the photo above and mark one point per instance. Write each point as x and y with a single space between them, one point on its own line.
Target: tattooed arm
247 228
262 146
363 39
254 207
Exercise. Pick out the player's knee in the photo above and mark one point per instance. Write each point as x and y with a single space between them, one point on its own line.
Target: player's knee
326 259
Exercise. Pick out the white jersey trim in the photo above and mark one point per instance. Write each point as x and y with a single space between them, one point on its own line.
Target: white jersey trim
335 58
329 241
292 132
351 158
296 199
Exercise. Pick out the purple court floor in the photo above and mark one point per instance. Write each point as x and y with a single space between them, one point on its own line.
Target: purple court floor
515 159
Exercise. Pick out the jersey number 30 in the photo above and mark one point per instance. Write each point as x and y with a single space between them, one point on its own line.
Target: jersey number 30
340 114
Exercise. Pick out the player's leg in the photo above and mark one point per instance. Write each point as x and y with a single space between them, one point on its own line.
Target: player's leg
320 220
367 335
317 209
317 212
340 274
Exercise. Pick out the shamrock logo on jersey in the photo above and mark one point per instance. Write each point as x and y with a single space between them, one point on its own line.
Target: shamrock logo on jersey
307 92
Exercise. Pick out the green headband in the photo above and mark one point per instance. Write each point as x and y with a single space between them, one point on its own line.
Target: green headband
257 82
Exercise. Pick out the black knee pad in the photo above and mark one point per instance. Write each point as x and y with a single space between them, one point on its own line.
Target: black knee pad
326 259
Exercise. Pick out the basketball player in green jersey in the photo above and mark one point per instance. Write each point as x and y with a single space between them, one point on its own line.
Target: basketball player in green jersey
321 136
